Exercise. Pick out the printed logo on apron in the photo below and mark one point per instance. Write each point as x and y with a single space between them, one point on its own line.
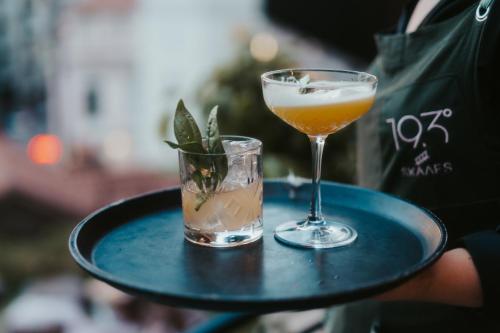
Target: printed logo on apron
422 134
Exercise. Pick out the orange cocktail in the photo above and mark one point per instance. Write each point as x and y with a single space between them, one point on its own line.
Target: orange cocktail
317 103
323 119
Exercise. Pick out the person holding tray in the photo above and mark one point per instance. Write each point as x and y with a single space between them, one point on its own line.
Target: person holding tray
432 138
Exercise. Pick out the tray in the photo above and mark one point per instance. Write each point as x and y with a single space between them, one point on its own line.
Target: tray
137 245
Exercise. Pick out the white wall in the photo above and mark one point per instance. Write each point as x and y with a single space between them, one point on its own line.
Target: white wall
143 63
180 42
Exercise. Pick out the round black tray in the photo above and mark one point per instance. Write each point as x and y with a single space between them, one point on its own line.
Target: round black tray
137 245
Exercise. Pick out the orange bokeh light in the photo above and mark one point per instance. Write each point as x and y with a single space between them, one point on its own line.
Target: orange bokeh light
45 149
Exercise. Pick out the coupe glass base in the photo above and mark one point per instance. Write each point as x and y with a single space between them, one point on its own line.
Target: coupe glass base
328 234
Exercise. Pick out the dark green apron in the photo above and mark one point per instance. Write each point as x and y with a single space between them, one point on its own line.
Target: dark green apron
427 140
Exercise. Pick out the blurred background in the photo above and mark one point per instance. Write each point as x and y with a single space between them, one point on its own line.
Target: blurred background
88 89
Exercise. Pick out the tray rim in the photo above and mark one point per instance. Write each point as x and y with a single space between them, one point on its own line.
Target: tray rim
236 303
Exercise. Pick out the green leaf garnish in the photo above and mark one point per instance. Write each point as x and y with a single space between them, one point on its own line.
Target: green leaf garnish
209 170
213 137
185 127
198 179
201 198
215 145
172 145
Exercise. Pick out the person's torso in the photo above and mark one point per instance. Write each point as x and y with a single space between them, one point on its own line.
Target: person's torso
427 140
424 140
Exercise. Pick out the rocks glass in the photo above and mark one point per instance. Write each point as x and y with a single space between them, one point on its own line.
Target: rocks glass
223 208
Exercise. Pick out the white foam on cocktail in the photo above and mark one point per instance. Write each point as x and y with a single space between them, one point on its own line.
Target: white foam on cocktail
323 92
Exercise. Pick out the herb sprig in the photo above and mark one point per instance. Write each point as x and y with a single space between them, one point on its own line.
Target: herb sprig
209 170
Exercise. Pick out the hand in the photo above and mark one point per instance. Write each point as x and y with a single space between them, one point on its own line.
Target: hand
453 279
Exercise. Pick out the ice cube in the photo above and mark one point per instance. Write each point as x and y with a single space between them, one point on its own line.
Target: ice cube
240 146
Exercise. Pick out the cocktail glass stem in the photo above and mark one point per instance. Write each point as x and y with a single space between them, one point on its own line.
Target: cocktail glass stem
317 144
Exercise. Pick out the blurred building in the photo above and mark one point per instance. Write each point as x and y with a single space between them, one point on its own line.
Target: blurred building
92 96
27 31
33 193
105 75
122 65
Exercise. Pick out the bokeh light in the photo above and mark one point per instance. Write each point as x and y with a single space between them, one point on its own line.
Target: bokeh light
45 149
263 47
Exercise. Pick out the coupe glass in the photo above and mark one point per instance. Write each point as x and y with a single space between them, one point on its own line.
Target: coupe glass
317 102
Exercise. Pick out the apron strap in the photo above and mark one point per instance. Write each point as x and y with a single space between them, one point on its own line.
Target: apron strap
488 15
483 10
405 16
